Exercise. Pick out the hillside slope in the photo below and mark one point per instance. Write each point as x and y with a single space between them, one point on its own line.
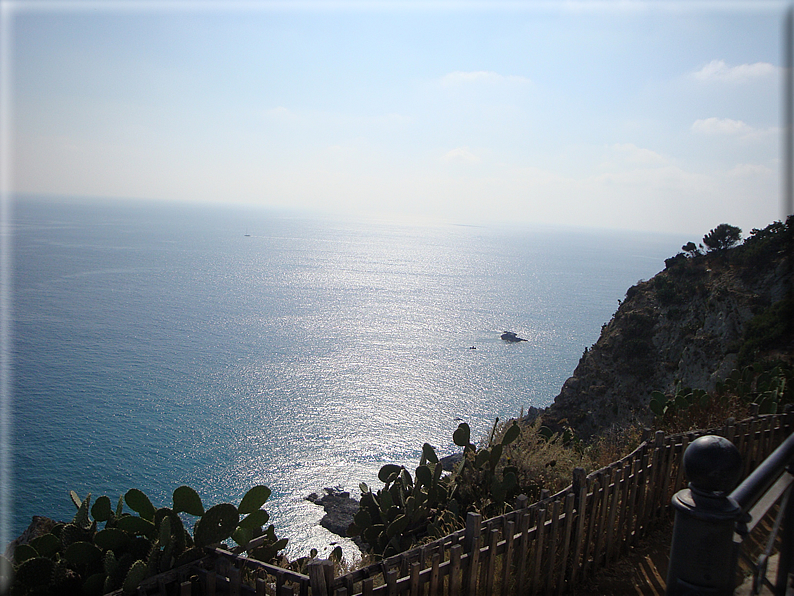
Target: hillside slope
704 315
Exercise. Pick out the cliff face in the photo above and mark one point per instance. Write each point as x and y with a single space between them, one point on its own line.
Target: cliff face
692 323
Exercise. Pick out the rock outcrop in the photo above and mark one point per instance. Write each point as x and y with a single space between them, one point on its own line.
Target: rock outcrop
339 508
39 525
692 323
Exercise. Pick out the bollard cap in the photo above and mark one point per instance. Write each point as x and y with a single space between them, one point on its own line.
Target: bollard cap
712 464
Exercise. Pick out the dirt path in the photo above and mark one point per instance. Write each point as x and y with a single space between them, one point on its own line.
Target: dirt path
642 572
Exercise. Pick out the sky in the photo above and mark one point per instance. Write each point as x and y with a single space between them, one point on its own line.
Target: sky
658 116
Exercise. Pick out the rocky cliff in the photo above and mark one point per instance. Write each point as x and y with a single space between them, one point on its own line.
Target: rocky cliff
704 315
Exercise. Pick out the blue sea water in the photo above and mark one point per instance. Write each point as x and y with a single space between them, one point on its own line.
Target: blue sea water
156 345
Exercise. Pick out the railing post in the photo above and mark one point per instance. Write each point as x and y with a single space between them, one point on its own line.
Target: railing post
473 526
579 480
784 564
703 556
321 573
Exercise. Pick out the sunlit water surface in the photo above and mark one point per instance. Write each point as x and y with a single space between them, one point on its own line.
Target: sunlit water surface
159 345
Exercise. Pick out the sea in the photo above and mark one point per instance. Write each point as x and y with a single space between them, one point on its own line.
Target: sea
159 344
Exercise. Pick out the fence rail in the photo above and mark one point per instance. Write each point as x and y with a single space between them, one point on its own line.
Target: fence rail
542 548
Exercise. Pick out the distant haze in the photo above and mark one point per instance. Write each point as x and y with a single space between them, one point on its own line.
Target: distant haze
659 116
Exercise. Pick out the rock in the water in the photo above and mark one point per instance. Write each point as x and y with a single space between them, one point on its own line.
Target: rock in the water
510 336
448 462
531 415
339 508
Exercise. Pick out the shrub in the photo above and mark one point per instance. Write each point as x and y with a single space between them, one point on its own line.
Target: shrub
674 262
722 237
665 288
545 460
771 328
766 384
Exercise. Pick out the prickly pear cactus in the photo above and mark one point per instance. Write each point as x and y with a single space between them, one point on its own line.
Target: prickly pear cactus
80 557
404 510
216 525
35 572
409 508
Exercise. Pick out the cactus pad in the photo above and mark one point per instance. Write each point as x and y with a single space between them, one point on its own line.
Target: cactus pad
387 471
462 435
511 434
81 518
256 519
46 544
429 453
140 504
35 572
111 539
216 525
82 553
135 576
186 499
24 552
71 533
254 499
101 511
136 525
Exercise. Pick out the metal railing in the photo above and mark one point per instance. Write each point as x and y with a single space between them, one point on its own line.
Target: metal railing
711 521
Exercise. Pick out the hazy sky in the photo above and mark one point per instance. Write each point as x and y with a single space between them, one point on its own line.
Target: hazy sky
642 115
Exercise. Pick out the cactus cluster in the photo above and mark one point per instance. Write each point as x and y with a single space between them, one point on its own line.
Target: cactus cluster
682 399
478 481
393 518
408 508
751 384
79 557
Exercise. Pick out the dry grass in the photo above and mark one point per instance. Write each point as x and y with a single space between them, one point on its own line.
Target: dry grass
547 462
613 445
543 462
697 418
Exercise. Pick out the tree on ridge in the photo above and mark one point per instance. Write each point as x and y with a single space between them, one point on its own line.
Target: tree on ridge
722 237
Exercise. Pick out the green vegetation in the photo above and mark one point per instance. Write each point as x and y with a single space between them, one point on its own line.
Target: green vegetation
772 328
690 249
80 558
764 245
765 384
758 249
722 237
408 509
518 458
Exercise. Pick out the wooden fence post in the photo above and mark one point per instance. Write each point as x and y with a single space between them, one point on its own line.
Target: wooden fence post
580 502
540 530
507 558
473 523
551 555
566 537
579 479
471 546
318 576
455 569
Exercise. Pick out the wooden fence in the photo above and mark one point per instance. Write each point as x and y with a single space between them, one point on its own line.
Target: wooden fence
542 548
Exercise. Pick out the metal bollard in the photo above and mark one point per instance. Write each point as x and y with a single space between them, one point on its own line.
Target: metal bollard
703 555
